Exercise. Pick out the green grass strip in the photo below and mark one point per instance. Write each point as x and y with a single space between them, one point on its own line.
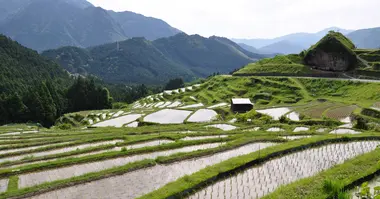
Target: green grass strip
13 183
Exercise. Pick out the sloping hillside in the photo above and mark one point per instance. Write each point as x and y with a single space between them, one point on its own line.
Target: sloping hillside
61 24
136 25
139 60
20 68
74 23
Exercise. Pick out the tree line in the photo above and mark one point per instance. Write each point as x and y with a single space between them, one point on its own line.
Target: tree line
45 102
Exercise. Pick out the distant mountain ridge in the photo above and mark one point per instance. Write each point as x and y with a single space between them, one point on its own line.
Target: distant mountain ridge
366 38
74 23
138 60
288 44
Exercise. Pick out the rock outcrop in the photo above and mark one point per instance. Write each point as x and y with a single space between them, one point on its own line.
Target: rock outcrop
334 52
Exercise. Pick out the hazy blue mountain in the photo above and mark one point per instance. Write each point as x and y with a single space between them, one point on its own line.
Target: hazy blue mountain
366 38
295 41
137 25
10 7
138 60
80 3
283 47
249 48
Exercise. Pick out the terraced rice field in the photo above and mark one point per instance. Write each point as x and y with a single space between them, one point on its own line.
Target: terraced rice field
264 179
119 122
146 180
341 113
168 142
62 150
275 113
203 115
168 116
318 110
32 179
204 137
224 127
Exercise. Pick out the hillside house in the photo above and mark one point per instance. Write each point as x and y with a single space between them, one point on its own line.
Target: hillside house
241 105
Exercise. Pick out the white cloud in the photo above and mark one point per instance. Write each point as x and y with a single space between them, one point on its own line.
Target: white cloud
254 18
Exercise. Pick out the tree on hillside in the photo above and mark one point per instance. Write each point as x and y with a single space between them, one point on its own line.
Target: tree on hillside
175 84
85 95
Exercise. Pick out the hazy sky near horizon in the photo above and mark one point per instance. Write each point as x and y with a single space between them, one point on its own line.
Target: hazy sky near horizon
253 18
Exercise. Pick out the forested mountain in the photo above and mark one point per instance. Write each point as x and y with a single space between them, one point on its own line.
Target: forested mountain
47 24
137 25
139 60
366 38
61 24
21 67
33 88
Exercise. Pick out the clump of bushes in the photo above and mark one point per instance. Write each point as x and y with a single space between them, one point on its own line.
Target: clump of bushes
119 105
65 126
254 117
78 117
361 123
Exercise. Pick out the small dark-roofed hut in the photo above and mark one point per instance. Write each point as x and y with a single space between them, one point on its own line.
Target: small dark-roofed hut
241 105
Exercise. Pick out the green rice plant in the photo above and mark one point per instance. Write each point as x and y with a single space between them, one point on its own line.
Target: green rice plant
331 186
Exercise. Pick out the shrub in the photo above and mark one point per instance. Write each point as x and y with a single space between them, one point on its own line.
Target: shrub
119 105
85 122
78 117
65 126
361 123
332 187
284 119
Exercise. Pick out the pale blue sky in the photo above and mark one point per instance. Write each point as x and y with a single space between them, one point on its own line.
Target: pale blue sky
254 18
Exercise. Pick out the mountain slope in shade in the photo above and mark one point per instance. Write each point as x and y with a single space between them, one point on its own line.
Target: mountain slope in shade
366 38
74 23
136 25
61 24
138 60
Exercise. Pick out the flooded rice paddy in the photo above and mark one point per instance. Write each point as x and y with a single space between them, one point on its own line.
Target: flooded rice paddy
224 127
264 179
118 122
168 116
31 179
140 182
203 115
275 113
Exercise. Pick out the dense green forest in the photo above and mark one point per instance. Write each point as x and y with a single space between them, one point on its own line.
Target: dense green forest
34 89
